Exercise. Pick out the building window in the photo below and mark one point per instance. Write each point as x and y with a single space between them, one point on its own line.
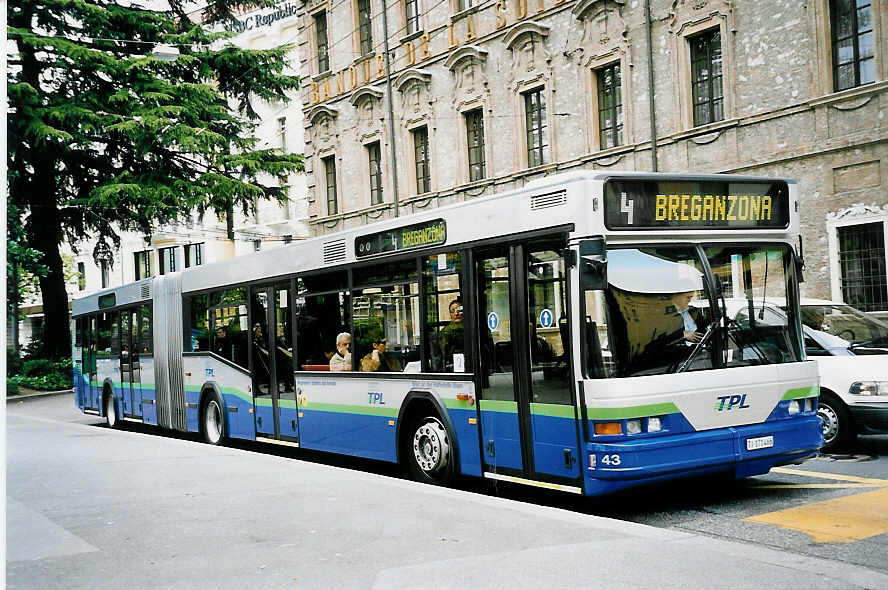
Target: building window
706 77
475 142
321 36
421 156
851 24
411 8
330 174
365 27
257 245
106 273
373 155
535 124
862 266
81 276
610 106
194 255
166 258
465 4
282 132
143 264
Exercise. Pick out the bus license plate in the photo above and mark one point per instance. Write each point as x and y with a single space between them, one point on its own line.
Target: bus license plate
762 442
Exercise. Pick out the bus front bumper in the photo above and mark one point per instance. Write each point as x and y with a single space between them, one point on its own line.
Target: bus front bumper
743 451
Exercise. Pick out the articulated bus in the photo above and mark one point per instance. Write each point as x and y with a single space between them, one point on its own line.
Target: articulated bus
570 335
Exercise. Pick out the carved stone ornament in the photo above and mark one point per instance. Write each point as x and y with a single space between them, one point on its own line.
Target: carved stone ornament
690 12
367 102
530 57
602 29
415 97
857 210
323 120
468 65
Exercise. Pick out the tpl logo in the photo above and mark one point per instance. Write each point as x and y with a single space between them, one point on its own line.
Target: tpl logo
731 402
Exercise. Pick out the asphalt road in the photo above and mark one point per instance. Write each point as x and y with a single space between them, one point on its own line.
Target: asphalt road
828 515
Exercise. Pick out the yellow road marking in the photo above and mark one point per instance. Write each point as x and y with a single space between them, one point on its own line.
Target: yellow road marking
822 475
840 520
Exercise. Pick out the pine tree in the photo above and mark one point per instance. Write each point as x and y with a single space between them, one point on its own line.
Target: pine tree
104 137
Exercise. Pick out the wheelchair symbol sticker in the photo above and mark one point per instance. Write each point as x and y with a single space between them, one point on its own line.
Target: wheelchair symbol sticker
546 318
492 320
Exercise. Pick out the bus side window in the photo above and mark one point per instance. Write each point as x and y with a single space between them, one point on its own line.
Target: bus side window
319 319
200 326
443 325
103 335
147 346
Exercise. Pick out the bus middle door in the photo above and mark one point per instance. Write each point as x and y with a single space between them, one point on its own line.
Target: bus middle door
528 417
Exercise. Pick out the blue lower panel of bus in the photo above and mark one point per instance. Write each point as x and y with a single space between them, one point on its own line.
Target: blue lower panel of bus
501 437
363 435
625 463
466 433
241 423
555 443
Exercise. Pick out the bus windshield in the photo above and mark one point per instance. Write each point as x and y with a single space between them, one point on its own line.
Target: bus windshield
660 314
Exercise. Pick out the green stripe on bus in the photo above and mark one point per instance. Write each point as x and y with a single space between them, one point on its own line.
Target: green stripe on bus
457 404
801 392
632 411
553 410
494 405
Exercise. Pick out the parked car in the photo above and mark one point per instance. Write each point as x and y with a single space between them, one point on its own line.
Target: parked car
849 347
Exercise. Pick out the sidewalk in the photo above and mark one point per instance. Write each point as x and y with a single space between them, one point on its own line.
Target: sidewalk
26 394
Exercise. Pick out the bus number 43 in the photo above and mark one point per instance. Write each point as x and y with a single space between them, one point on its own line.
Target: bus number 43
610 459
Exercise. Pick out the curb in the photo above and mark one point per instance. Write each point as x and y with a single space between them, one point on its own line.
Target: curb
37 394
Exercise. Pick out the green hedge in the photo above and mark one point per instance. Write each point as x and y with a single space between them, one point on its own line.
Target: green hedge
42 375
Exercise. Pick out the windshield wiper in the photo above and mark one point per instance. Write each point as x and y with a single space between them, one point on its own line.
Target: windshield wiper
709 332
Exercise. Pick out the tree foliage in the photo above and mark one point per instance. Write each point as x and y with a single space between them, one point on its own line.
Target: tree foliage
103 136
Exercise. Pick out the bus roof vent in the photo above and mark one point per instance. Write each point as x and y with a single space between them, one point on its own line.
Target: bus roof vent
334 251
145 291
548 200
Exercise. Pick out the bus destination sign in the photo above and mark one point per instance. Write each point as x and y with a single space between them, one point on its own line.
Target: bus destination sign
679 204
429 233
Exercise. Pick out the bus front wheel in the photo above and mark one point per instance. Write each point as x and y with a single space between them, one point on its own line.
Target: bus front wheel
430 453
212 421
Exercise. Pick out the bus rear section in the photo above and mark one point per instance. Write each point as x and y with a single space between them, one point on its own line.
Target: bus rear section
673 386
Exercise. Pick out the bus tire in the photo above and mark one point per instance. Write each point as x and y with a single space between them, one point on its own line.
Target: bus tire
838 430
429 450
110 409
212 419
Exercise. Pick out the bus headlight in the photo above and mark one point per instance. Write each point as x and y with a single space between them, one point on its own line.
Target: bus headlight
795 406
869 388
633 426
655 424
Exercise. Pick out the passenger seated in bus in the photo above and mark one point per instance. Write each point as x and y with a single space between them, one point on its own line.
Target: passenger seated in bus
342 358
377 359
220 340
452 337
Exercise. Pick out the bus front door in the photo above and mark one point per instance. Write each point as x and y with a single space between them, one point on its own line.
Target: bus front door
528 414
132 334
274 394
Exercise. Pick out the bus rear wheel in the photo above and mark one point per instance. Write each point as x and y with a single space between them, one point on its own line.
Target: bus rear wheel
430 453
212 421
110 411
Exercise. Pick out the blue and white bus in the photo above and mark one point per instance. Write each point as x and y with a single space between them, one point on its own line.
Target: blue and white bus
570 335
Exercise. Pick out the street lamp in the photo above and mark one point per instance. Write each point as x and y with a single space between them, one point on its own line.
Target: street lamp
165 52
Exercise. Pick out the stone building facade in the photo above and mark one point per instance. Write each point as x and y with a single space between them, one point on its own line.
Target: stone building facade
486 96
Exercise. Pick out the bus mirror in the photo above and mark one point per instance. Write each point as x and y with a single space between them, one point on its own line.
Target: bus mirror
593 264
799 259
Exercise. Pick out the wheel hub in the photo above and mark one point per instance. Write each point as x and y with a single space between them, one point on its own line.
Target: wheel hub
214 421
431 448
830 422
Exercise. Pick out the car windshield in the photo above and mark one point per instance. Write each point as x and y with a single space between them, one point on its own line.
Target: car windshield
854 327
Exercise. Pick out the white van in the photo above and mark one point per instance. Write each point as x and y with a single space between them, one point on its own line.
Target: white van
851 350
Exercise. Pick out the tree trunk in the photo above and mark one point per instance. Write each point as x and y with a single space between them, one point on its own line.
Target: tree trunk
44 234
